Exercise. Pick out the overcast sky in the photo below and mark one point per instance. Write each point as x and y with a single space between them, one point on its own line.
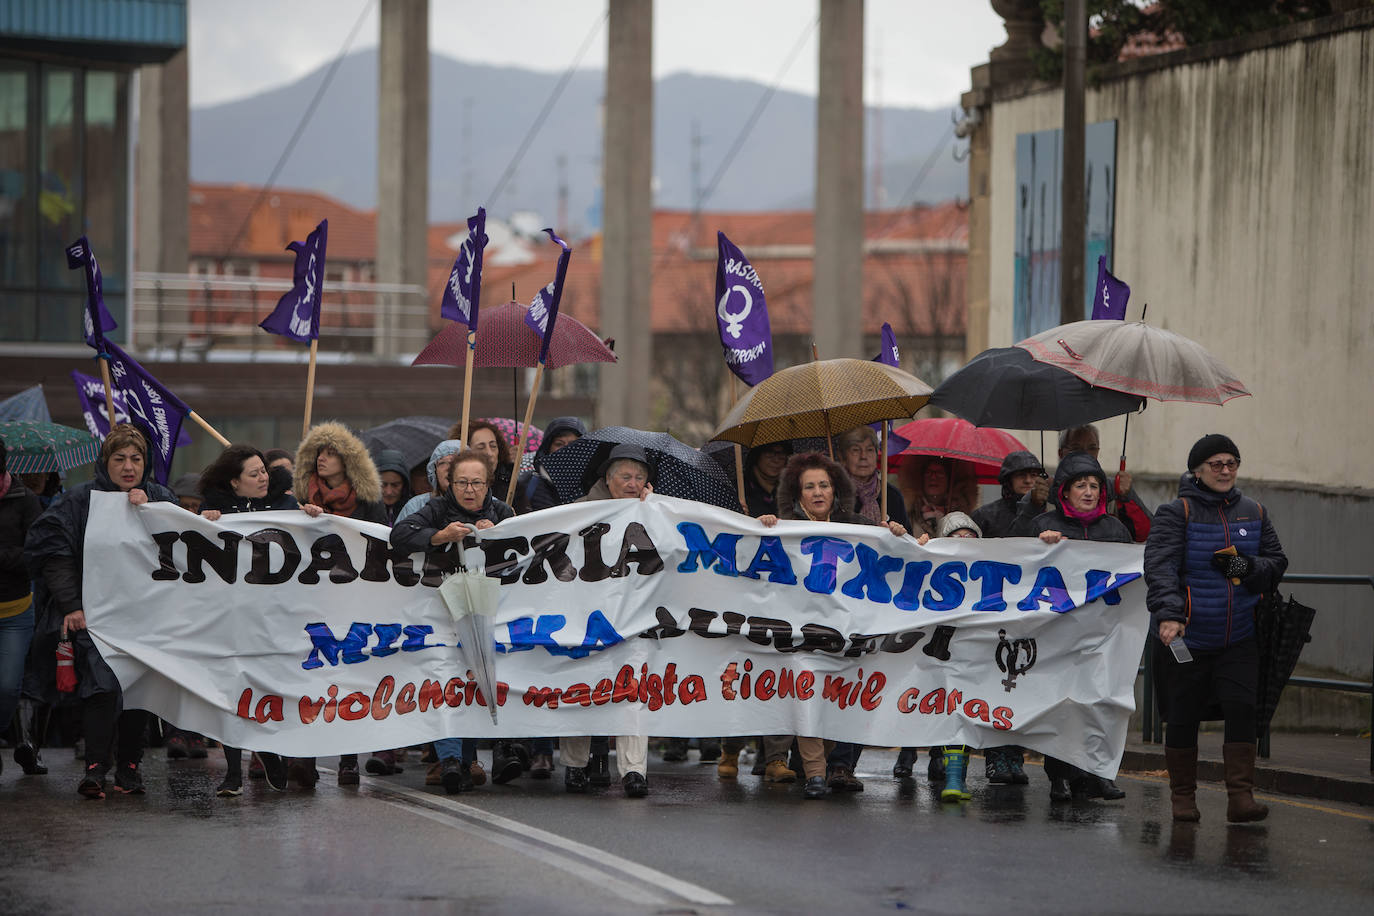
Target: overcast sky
924 48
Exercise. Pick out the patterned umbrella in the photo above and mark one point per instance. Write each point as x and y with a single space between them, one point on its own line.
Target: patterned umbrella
510 429
504 340
823 398
679 469
413 437
36 447
950 437
1133 357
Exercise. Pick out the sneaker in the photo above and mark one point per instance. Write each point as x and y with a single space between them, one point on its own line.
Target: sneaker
302 770
128 779
195 748
505 764
541 767
454 777
479 775
778 771
1018 775
176 747
92 785
273 771
935 771
348 772
30 760
997 766
383 763
255 767
231 786
842 779
636 786
575 780
599 770
815 788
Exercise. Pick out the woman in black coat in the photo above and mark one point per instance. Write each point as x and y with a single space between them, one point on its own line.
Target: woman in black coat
239 481
19 509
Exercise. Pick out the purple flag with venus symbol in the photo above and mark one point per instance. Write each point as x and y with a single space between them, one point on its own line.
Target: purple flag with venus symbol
297 314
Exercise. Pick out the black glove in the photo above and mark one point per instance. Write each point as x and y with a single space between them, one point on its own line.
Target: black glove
1233 566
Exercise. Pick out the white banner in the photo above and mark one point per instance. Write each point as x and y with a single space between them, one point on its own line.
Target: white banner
274 631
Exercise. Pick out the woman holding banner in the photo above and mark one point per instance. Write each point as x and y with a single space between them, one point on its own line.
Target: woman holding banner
335 474
239 481
814 487
54 550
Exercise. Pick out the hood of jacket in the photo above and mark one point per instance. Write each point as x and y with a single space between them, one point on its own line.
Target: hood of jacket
553 428
844 497
442 450
1014 463
358 466
1078 464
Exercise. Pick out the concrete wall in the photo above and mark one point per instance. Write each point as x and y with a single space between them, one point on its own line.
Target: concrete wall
1245 218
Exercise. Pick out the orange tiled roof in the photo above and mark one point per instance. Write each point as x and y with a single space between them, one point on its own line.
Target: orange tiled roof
281 216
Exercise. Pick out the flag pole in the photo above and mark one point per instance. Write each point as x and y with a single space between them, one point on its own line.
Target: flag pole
309 386
882 456
109 387
524 433
739 452
467 381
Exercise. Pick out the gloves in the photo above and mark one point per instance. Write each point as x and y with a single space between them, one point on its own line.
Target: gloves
1233 566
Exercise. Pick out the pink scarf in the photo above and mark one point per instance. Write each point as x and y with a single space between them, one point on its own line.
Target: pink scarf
869 507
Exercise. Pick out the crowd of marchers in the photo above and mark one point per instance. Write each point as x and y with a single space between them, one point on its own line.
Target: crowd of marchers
1210 554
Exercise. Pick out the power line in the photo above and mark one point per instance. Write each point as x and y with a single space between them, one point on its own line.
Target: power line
302 124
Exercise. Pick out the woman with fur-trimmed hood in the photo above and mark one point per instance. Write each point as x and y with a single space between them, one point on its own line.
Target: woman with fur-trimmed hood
335 474
933 487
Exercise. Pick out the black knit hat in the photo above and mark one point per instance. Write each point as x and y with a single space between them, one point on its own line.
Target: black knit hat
1209 445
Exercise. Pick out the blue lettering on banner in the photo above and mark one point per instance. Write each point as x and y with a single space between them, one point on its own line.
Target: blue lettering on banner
993 574
872 576
720 550
772 558
1049 587
946 592
825 553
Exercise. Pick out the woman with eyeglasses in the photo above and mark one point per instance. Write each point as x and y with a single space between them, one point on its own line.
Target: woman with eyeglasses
468 506
1211 554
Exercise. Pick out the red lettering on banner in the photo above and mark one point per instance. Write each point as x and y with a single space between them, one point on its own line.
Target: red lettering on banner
380 707
332 704
805 682
581 694
245 703
692 689
405 699
601 694
269 709
727 681
934 701
1001 718
955 698
310 709
765 685
907 702
976 709
872 693
355 706
431 694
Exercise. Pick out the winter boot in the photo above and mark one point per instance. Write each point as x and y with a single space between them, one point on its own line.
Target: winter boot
727 768
28 740
1238 761
956 764
710 750
505 763
1016 759
1182 764
997 766
906 758
674 750
935 770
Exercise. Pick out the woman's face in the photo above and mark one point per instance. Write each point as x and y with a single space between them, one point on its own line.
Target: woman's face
1023 481
1219 472
328 464
561 440
125 467
1084 493
817 493
861 460
252 480
470 484
771 461
483 442
626 479
441 468
935 481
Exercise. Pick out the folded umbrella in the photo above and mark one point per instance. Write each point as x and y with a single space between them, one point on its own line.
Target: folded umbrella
36 447
951 437
679 469
472 598
1281 630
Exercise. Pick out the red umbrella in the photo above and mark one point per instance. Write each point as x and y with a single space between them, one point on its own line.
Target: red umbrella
950 437
503 339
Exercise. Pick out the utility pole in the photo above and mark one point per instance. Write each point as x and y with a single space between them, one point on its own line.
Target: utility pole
696 165
562 223
1073 211
466 185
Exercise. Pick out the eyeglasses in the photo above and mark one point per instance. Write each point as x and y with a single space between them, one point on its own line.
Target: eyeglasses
469 484
1219 466
630 478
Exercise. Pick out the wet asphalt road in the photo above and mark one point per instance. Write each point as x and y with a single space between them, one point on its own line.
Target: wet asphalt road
695 845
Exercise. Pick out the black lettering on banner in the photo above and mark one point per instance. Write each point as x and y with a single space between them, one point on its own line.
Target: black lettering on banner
260 565
594 568
380 555
329 553
503 557
224 560
550 549
166 569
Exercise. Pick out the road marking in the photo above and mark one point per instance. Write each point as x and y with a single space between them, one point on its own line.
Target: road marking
1275 799
630 880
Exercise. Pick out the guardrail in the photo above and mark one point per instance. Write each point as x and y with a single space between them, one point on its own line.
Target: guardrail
1153 726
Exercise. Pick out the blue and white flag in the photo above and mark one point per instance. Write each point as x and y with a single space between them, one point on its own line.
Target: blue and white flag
1109 299
96 319
544 306
742 315
150 406
297 314
464 288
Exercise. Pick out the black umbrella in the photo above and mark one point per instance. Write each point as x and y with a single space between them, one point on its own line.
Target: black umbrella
679 469
1007 389
413 437
1282 629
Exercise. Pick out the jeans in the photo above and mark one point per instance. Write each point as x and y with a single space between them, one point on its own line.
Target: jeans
465 749
15 634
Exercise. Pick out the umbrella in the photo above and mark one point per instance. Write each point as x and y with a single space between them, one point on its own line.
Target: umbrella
413 437
504 340
29 404
1133 357
951 437
679 469
472 598
36 447
1281 629
822 398
511 430
1005 387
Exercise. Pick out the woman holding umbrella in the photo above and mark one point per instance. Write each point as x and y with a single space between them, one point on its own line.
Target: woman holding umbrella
239 481
814 487
1211 554
54 550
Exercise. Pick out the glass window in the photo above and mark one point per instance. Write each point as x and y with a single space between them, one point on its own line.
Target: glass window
16 201
59 180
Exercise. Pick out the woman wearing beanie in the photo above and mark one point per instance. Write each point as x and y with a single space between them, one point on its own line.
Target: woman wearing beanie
1211 554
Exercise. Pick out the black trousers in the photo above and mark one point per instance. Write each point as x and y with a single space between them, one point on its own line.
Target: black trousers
109 728
1217 683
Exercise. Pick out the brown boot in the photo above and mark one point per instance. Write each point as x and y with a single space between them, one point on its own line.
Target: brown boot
1182 764
1238 760
727 767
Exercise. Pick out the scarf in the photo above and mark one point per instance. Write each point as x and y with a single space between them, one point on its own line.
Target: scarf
340 500
869 507
1091 515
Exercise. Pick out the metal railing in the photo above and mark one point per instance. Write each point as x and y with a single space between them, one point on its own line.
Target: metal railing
1153 726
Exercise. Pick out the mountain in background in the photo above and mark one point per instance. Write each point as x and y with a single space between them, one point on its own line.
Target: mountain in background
479 114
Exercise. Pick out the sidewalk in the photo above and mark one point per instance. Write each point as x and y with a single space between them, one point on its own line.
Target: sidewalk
1330 767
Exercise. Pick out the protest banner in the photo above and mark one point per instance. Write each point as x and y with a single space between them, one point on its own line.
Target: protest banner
278 632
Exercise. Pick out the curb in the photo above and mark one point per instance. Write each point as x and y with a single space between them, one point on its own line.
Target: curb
1279 782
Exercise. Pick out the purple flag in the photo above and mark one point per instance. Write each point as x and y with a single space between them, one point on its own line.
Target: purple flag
90 393
150 406
1109 300
464 287
297 314
889 355
97 319
544 306
742 315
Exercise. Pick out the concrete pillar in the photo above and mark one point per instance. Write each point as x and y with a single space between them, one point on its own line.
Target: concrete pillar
978 285
627 249
837 289
161 206
403 172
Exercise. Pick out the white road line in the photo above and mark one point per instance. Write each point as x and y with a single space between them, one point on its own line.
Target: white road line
576 858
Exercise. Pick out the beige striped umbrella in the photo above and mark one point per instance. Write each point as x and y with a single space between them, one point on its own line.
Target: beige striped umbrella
822 398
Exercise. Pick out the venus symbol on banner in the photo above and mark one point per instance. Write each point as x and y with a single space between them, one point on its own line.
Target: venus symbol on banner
734 321
302 317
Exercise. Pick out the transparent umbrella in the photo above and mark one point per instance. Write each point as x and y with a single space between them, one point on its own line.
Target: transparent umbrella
472 598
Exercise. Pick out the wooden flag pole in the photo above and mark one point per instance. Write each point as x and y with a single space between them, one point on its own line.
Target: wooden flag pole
882 456
109 389
467 384
524 433
309 387
739 452
208 428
